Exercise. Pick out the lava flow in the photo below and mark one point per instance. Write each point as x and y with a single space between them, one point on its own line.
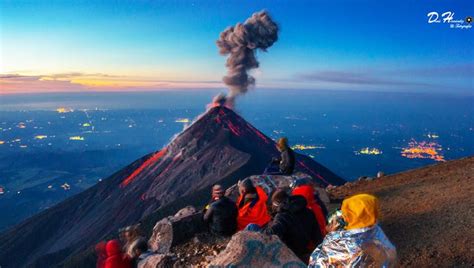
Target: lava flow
155 157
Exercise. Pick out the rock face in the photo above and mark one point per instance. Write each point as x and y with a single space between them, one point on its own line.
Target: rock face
173 230
157 261
220 147
252 249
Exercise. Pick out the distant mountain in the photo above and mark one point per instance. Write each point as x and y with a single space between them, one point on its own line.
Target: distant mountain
220 147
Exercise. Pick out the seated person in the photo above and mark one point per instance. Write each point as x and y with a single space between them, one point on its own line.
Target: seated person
294 224
141 252
305 189
285 164
221 214
355 239
251 205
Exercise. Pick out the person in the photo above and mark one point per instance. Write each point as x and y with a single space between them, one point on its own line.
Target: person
131 234
221 213
140 251
305 189
285 164
101 254
251 205
115 257
355 239
294 224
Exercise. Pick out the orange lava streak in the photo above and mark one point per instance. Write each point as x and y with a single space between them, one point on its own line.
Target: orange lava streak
143 166
233 128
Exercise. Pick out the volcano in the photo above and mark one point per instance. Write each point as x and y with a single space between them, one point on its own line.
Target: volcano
219 147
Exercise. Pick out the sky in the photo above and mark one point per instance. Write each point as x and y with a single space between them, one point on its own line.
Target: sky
80 46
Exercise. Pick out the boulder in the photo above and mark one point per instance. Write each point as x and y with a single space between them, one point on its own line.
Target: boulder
253 249
176 229
157 261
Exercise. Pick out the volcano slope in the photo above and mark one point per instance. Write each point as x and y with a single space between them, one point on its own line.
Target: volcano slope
220 147
428 213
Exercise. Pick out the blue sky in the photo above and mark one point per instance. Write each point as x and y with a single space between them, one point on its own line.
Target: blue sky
150 45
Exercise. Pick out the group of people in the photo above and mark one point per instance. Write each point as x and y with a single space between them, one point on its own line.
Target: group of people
126 252
350 237
347 238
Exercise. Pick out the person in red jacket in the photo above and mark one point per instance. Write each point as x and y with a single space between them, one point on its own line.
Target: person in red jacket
251 205
307 192
115 256
101 254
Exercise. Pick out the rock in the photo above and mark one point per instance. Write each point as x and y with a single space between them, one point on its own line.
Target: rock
380 174
173 230
253 249
157 261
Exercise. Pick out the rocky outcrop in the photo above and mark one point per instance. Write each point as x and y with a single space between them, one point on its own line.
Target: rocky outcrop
252 249
175 229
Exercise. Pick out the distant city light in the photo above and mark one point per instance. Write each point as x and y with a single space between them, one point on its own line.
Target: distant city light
182 120
432 136
40 137
66 186
369 151
423 150
76 138
2 142
62 110
302 147
21 125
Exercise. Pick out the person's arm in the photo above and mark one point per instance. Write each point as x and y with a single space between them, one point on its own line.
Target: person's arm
208 214
276 227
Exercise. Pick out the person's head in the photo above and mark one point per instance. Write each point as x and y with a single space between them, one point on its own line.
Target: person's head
246 187
217 191
113 248
360 211
279 197
131 233
140 246
282 144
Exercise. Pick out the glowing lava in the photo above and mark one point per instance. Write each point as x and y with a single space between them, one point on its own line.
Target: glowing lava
423 150
155 157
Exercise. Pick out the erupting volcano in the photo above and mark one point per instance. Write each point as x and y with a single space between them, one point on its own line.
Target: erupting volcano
220 147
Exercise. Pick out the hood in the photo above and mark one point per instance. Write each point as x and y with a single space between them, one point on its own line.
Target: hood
294 204
113 248
360 211
305 191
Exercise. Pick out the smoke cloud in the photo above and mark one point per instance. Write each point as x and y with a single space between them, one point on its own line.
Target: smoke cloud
240 42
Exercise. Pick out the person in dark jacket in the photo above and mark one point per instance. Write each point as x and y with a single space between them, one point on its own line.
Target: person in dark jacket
294 224
285 164
221 214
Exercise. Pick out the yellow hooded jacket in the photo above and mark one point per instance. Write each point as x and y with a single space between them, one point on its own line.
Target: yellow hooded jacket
360 211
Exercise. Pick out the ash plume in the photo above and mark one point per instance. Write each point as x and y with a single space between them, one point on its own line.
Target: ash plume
241 42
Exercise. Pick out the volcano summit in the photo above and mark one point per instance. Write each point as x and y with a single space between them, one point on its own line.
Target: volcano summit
220 147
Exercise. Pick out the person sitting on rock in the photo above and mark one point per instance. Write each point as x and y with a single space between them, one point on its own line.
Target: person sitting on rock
355 239
285 164
221 214
131 234
115 257
304 188
251 205
141 252
101 254
294 224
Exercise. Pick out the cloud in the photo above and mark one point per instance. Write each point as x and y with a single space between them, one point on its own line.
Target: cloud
77 82
354 78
